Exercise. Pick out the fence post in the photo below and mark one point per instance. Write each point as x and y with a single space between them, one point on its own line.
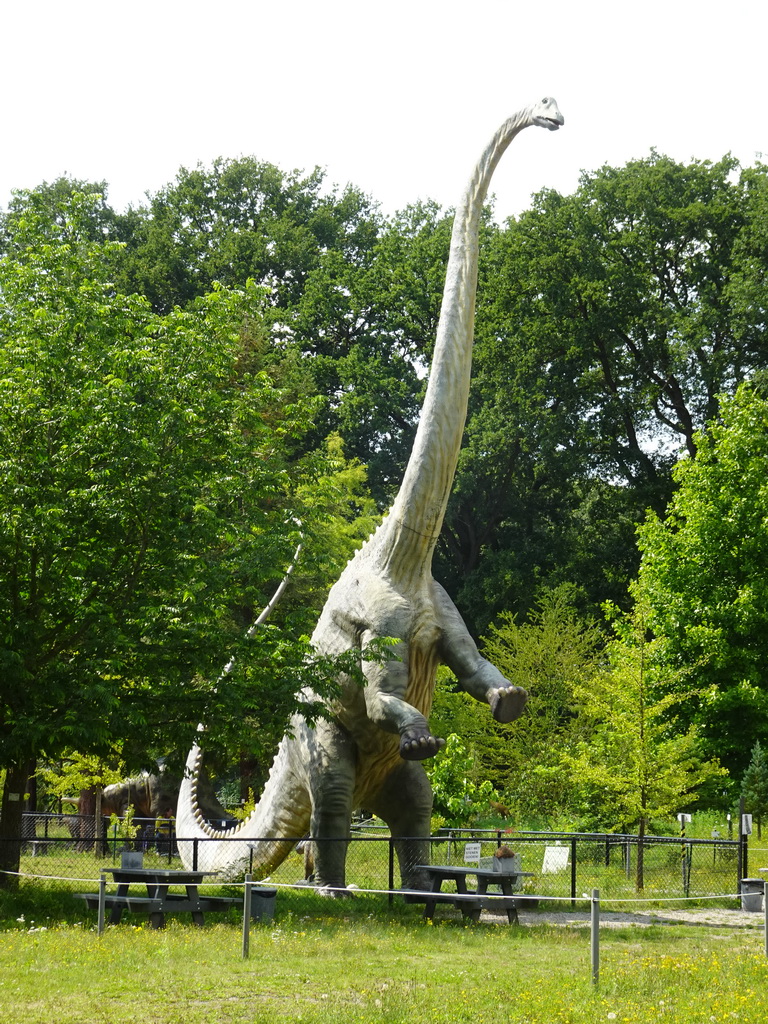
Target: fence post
247 916
573 873
391 879
595 936
102 901
194 854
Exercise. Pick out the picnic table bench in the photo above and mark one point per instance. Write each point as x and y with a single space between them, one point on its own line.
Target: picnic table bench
470 901
159 900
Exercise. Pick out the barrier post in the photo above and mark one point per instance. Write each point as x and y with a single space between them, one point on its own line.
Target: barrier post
391 872
595 936
247 916
102 901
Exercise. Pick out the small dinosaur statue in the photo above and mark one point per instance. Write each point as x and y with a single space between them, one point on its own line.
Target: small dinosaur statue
369 752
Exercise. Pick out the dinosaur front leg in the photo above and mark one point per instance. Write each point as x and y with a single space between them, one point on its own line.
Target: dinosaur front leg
478 677
385 691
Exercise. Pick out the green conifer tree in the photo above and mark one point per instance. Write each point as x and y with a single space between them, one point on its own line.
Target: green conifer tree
754 785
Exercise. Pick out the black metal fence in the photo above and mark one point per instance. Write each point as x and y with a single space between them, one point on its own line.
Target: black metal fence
558 865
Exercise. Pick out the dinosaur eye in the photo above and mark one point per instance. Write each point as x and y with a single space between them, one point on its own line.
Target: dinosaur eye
545 100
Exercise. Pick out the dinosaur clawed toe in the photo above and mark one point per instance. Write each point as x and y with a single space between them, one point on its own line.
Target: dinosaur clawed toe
419 744
507 702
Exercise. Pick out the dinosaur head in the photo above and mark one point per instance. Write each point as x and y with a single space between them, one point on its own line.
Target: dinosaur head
546 115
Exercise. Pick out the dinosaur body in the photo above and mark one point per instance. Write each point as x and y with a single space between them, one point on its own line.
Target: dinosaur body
368 754
156 796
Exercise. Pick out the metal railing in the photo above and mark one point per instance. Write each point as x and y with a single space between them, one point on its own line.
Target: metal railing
561 864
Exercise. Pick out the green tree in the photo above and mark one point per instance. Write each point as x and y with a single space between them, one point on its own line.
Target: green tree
631 764
369 325
149 493
704 574
754 786
549 654
609 324
241 220
45 213
458 798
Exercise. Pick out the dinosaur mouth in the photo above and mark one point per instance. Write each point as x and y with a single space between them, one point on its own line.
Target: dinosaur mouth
551 123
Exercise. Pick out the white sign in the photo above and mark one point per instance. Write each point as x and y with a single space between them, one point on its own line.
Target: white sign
746 824
471 852
683 818
555 859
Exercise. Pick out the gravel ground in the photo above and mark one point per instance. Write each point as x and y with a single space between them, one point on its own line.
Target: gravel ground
715 916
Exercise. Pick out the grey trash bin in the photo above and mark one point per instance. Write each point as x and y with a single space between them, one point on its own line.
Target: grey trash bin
263 903
752 890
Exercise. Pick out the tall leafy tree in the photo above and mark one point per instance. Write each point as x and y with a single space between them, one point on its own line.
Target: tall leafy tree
704 573
148 502
550 654
241 220
369 326
610 323
631 765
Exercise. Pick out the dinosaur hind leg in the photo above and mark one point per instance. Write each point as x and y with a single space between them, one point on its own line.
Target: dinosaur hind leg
404 802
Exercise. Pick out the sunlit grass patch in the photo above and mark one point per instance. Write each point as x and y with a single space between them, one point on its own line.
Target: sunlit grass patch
346 961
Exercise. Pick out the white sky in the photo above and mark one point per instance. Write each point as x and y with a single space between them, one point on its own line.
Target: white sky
396 97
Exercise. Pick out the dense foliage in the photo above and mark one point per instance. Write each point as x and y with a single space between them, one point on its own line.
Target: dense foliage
186 381
705 576
153 488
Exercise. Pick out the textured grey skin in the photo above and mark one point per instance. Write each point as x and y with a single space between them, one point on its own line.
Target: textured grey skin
368 754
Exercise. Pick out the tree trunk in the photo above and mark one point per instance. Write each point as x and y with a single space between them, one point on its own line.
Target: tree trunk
31 790
640 854
11 810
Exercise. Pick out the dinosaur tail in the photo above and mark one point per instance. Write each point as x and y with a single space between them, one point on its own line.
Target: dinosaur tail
261 842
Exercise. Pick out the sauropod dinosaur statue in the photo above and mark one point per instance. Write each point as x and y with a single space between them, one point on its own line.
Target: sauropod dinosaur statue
369 752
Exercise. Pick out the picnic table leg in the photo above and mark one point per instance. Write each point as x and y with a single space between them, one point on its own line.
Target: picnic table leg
194 897
117 910
429 905
461 888
506 888
156 891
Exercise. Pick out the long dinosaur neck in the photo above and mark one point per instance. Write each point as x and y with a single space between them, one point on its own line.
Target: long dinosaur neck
410 532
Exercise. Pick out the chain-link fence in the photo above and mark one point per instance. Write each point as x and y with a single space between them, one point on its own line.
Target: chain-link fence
556 865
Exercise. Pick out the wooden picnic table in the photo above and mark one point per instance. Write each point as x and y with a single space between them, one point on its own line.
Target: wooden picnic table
159 901
470 901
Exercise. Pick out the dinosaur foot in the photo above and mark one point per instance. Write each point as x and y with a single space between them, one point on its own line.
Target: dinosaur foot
507 702
334 892
419 744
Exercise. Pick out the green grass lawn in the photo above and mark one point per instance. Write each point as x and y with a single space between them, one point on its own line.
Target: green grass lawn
358 961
